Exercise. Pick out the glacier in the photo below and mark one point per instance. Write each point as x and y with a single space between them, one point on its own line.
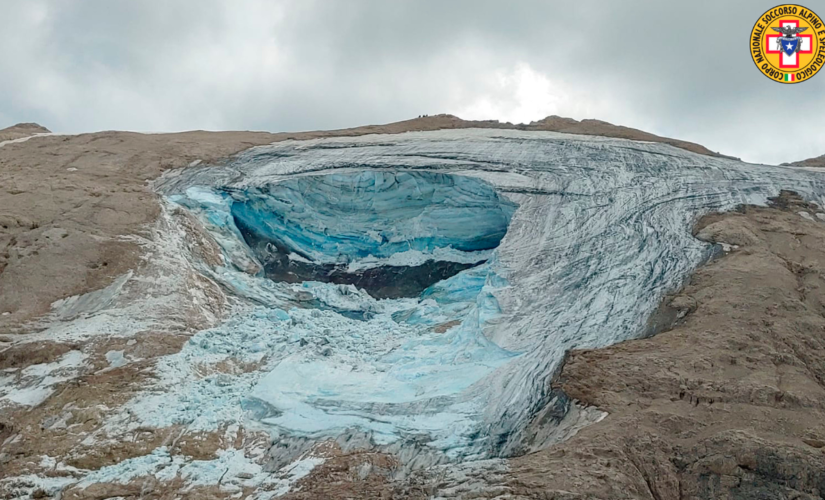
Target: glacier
516 247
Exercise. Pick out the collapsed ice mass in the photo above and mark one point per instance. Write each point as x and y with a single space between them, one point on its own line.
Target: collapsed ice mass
388 281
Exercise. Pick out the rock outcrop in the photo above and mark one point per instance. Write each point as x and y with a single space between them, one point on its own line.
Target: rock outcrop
816 162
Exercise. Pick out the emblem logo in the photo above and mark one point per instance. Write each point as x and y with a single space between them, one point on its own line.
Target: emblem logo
788 43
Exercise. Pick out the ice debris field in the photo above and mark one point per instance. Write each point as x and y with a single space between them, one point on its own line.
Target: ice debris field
415 293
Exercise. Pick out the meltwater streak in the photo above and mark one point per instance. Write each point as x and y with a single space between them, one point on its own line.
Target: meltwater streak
601 233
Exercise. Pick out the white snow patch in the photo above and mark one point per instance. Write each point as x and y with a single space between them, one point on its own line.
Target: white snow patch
89 303
29 396
297 258
115 359
231 471
24 139
414 258
34 384
286 477
727 247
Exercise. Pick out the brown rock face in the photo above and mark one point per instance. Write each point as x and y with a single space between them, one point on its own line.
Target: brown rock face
729 404
598 127
67 202
817 162
21 130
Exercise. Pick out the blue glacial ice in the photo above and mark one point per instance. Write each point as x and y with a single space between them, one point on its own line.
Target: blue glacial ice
339 218
545 242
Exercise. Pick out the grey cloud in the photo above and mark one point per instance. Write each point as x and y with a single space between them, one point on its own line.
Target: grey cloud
678 69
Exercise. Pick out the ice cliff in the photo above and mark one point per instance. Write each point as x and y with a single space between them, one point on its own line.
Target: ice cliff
416 292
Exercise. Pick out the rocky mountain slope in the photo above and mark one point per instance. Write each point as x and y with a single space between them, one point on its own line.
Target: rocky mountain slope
156 346
816 162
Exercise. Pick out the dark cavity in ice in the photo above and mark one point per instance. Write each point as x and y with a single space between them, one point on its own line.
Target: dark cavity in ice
391 233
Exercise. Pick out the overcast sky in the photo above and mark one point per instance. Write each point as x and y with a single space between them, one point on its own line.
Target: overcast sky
680 69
